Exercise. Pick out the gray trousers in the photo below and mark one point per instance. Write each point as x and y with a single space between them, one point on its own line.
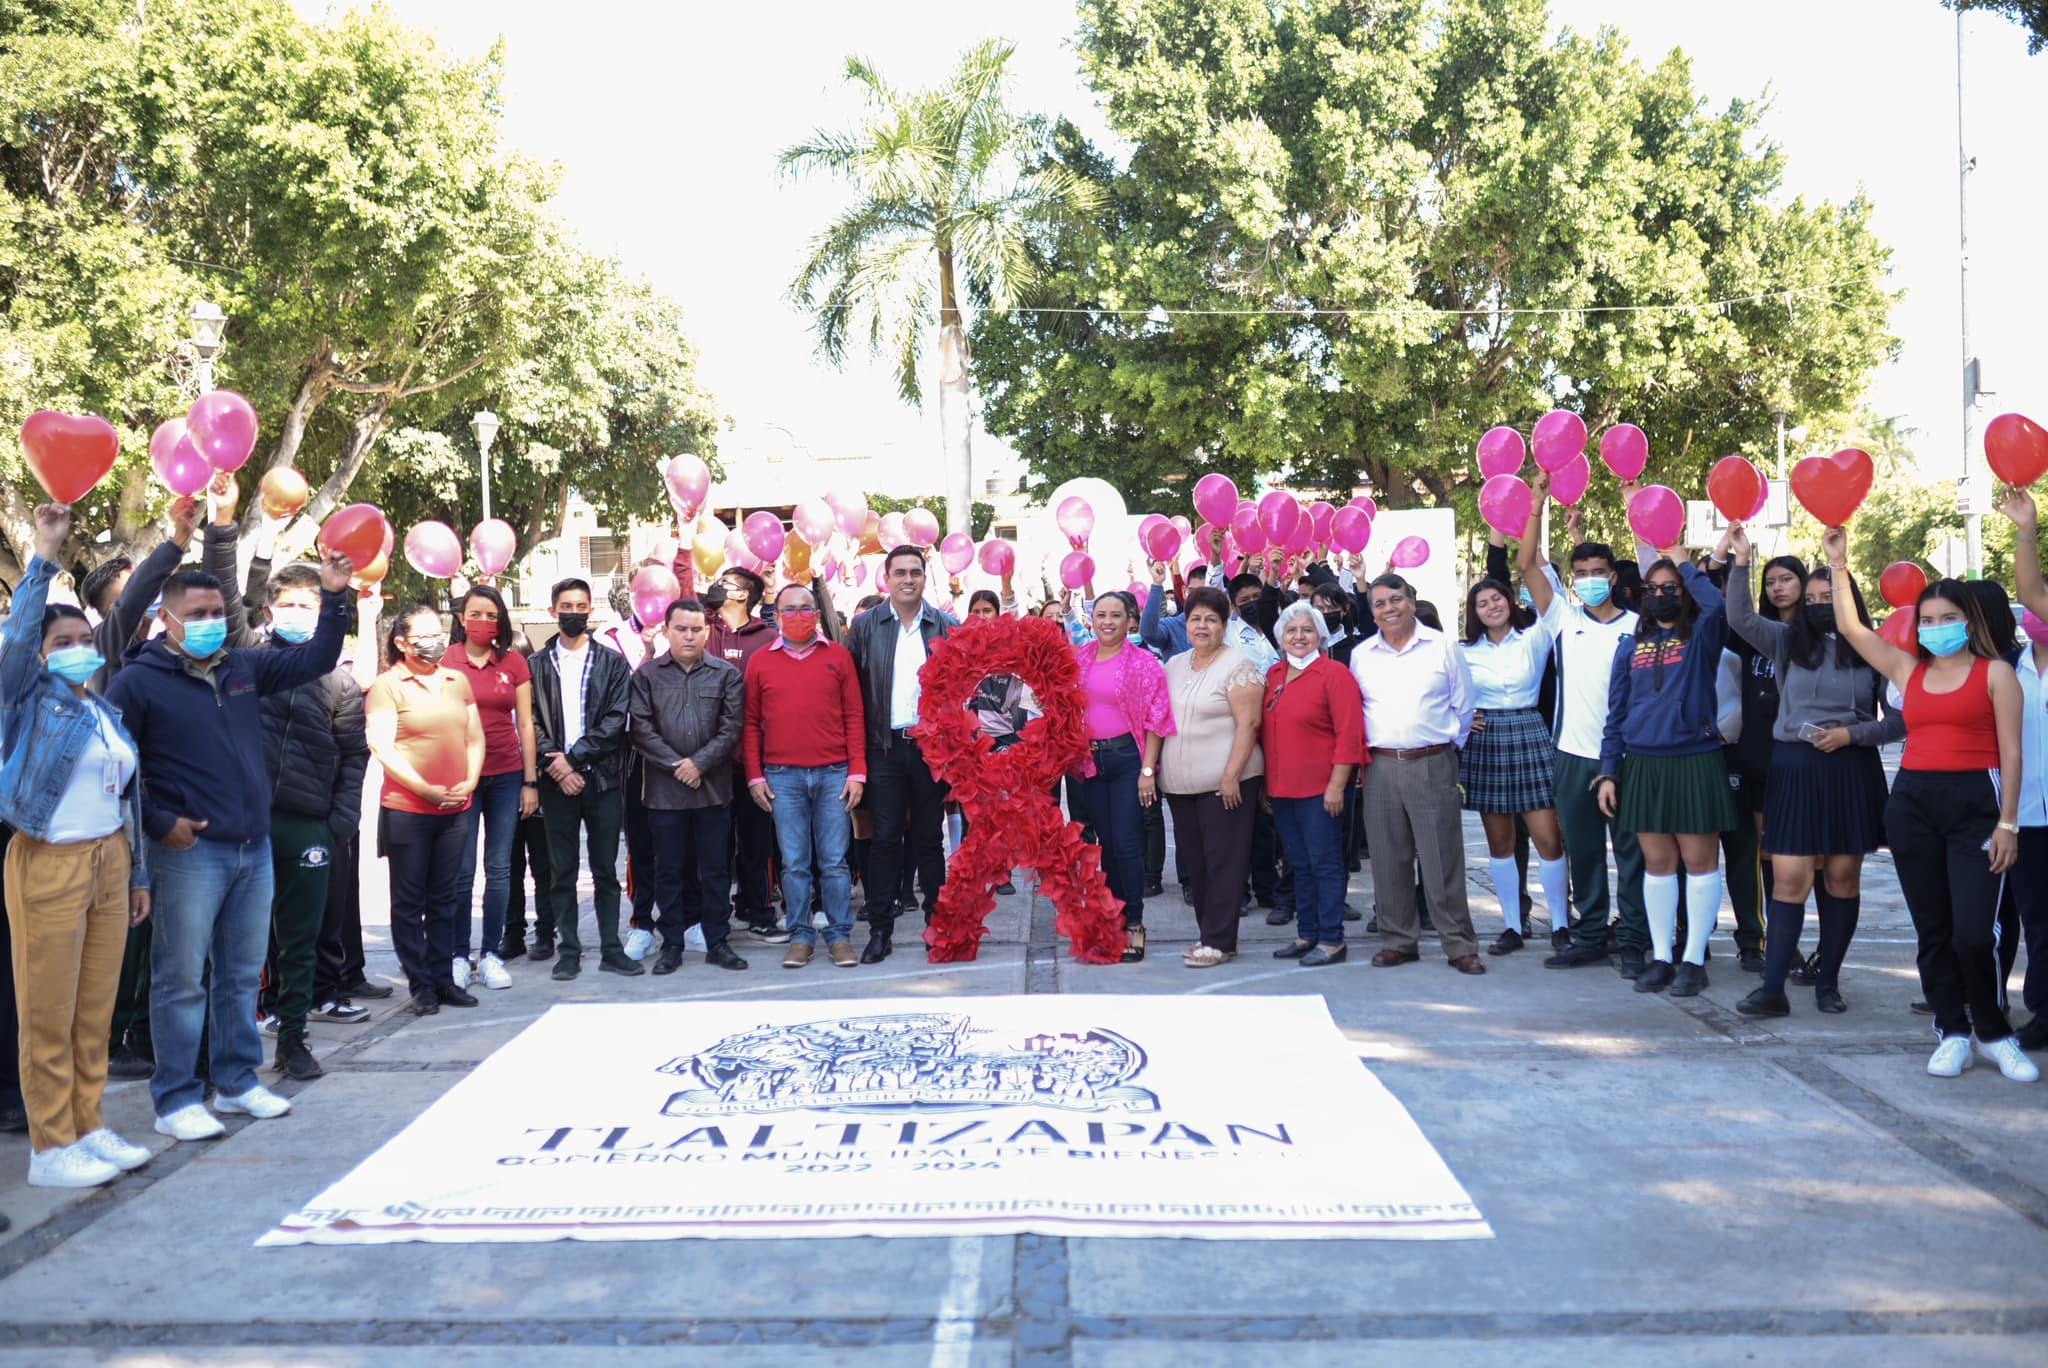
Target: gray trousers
1412 811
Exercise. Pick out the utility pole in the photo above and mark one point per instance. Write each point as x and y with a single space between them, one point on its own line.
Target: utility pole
1973 495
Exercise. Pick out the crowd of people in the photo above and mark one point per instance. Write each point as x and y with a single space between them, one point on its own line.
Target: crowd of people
182 759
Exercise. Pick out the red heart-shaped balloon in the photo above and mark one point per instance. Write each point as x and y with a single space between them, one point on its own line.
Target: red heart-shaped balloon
69 454
1833 487
2016 448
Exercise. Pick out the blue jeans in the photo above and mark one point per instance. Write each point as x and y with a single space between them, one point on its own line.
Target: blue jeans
1314 841
496 809
811 820
1110 797
211 902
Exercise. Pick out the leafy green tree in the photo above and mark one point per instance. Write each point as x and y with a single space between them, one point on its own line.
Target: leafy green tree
1346 239
2032 15
947 199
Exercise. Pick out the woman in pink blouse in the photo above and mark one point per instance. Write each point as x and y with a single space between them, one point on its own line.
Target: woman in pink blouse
1128 717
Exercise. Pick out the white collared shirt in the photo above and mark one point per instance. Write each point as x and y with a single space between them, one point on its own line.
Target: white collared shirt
574 667
904 692
1508 673
1585 650
1249 641
1419 695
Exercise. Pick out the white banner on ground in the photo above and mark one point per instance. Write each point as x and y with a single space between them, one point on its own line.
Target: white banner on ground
1212 1118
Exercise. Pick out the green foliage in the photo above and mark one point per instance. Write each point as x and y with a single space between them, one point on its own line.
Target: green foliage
2032 15
984 514
1376 230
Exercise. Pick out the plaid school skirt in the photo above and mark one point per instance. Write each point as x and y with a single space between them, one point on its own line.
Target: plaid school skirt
1506 768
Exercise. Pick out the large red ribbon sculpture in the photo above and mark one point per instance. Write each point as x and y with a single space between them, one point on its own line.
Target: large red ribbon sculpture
1012 819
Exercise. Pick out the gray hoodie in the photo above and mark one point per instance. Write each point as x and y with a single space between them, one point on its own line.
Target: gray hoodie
1830 694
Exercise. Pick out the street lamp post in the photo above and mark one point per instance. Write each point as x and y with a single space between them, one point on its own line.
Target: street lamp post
208 325
485 426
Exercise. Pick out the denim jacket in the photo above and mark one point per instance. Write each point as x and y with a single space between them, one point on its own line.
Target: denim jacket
44 726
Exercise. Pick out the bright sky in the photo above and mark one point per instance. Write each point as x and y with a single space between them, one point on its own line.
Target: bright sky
667 117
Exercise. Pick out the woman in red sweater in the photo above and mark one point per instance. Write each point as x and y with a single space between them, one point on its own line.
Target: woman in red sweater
1313 735
1953 818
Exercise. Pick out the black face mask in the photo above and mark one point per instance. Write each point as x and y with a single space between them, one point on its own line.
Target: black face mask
1664 607
714 597
1335 622
572 625
1820 616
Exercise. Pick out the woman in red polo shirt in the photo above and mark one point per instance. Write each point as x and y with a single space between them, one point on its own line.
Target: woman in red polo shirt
508 791
1313 735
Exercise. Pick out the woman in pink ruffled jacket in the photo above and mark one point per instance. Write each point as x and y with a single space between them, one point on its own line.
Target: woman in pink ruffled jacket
1128 715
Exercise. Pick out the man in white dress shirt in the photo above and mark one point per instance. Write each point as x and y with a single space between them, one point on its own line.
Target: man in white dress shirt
1418 712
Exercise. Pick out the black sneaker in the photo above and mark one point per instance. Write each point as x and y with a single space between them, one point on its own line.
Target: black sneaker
1352 914
1187 895
2034 1035
1752 961
1279 917
1561 940
125 1063
343 1011
1921 1008
1687 980
1656 977
1629 963
542 950
1577 957
296 1061
770 932
13 1121
1154 888
451 996
567 967
1828 998
512 947
1509 942
1765 1003
425 1003
363 988
619 962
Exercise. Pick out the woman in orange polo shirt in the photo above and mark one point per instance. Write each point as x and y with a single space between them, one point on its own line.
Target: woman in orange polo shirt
426 733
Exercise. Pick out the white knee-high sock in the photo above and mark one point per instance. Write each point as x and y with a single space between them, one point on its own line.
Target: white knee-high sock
1507 886
1660 904
1702 910
1556 891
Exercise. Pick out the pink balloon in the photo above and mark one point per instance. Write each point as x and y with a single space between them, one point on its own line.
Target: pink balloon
1209 539
764 536
1163 542
860 573
1657 515
737 552
177 461
1077 569
1501 452
1245 530
1409 553
921 527
655 587
1568 482
999 558
1505 502
814 522
1146 524
1320 515
689 483
956 553
1232 563
432 549
1187 529
493 543
1215 498
1364 504
1560 435
1625 450
223 427
1076 519
892 532
1350 529
850 510
1278 513
1302 539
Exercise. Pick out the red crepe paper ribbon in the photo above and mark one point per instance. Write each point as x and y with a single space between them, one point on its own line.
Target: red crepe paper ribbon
1012 818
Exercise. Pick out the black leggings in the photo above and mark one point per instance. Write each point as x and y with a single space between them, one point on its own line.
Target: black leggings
1938 824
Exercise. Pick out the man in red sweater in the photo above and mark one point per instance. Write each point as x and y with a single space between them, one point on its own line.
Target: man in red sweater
806 754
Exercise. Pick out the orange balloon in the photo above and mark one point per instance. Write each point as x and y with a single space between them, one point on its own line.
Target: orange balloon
284 492
376 570
871 537
796 557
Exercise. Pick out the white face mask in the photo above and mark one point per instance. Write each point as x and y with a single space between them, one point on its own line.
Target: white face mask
1302 662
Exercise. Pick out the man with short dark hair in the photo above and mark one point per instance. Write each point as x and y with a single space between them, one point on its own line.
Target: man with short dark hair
890 644
579 732
192 703
686 712
737 635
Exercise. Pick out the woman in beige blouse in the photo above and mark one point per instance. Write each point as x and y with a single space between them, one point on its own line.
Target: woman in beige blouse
1210 771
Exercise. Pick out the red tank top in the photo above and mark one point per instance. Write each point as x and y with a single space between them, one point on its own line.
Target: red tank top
1951 731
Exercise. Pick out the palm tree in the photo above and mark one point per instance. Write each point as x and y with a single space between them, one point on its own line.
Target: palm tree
950 193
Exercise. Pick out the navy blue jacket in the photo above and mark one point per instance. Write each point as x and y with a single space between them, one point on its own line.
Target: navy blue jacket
1662 698
201 742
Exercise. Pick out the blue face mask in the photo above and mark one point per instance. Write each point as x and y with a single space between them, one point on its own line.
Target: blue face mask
204 638
292 624
75 664
1592 590
1946 639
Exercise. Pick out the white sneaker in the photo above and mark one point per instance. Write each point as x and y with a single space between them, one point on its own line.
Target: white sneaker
462 971
2010 1059
259 1102
268 1025
104 1144
1950 1057
71 1166
493 973
191 1123
639 943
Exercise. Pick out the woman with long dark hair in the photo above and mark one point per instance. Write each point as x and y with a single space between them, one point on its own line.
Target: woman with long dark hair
509 789
1824 794
424 730
1953 819
1504 767
1662 775
1749 758
1127 717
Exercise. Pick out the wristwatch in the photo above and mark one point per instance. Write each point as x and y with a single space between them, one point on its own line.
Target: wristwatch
2013 827
1147 772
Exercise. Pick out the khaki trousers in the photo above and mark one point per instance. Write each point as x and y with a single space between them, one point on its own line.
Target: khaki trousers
1412 812
67 907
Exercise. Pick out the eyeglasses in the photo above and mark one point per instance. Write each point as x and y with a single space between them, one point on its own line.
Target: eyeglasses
1663 591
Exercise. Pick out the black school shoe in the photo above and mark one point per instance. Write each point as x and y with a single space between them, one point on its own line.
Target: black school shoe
1687 980
1576 957
1765 1003
425 1002
296 1061
1509 942
1656 977
1630 963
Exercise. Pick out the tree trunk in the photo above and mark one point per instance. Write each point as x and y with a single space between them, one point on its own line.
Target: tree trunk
313 389
362 436
956 407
